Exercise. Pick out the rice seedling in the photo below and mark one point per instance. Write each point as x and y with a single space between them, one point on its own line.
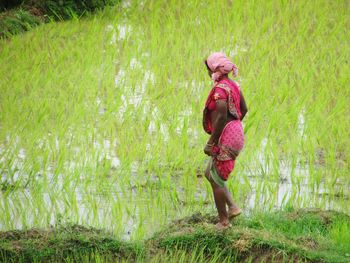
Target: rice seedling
100 117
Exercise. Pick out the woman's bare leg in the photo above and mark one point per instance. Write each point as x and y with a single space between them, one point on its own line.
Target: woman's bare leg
233 209
220 202
219 197
229 200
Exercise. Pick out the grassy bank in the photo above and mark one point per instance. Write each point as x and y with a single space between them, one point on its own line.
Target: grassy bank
302 236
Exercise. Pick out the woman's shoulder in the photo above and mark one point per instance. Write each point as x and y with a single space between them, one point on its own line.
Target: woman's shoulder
222 85
235 87
235 83
228 85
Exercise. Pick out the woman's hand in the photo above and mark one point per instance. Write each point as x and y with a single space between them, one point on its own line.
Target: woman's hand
208 149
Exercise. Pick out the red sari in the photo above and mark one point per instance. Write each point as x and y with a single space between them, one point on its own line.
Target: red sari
231 140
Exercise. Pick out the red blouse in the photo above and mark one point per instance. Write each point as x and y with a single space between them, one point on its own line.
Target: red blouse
227 90
217 94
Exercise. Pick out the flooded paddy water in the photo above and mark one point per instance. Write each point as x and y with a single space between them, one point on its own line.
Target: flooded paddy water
102 127
134 203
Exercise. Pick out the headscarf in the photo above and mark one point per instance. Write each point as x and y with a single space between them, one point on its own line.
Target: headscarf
220 65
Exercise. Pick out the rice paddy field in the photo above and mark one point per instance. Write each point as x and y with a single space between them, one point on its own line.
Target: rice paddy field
101 116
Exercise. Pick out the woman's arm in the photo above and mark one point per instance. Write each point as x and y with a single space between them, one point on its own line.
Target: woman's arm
243 106
220 118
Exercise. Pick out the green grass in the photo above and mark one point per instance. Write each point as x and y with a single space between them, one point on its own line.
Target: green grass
17 21
28 14
306 236
64 243
100 117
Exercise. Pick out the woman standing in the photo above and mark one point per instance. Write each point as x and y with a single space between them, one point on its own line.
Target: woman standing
224 110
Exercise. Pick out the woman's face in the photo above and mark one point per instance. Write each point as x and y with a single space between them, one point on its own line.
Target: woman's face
209 71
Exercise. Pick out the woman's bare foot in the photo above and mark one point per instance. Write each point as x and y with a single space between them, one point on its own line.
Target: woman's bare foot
233 212
222 226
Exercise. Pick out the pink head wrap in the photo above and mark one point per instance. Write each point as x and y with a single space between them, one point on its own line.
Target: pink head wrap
220 65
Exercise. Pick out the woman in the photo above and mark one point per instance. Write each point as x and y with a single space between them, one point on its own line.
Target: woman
224 110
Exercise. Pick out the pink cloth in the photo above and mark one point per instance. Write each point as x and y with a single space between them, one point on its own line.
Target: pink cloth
220 65
224 168
232 137
231 142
